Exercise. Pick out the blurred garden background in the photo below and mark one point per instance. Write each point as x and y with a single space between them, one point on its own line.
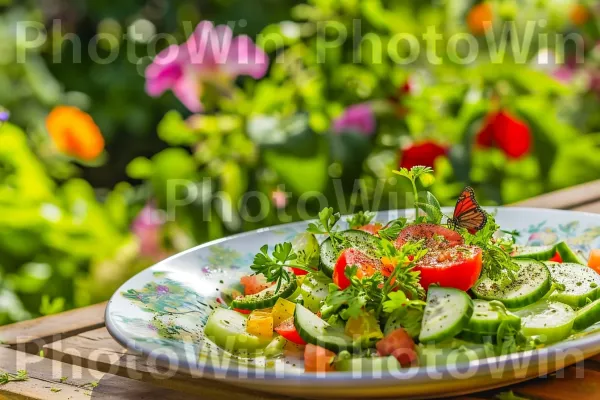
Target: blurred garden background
101 137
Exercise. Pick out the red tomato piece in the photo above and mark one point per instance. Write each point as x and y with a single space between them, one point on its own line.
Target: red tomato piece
594 260
254 284
556 258
298 271
318 359
289 332
457 266
242 311
398 344
373 229
433 234
367 266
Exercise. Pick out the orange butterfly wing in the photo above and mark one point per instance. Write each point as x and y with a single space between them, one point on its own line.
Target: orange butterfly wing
467 213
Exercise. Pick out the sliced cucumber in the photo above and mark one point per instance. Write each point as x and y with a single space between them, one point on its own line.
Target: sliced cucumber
530 284
227 328
587 316
318 332
550 320
580 283
368 365
568 255
314 290
360 240
447 312
265 298
487 317
540 253
452 352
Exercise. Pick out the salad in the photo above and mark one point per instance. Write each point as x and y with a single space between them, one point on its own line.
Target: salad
379 297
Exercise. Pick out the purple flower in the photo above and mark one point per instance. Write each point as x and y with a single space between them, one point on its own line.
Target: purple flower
358 118
211 54
147 227
4 115
162 290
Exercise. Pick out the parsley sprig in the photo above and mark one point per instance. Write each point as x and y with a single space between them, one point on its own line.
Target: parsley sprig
497 261
6 377
392 229
413 174
359 219
275 266
326 226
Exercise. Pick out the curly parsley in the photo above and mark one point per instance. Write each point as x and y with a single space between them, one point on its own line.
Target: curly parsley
275 266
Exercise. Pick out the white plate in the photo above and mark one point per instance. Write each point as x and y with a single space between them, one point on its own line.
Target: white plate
161 312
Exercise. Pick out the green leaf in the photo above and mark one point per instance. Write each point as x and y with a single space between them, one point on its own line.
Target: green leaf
173 130
139 168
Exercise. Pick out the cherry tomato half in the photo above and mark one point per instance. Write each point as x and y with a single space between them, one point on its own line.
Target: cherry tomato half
434 235
367 266
289 332
455 266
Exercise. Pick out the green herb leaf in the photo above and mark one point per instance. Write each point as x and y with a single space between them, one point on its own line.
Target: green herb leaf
6 377
431 206
360 219
392 229
275 267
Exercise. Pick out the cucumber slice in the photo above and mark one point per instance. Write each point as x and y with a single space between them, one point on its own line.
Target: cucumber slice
227 329
551 320
487 317
587 316
265 298
452 352
318 332
360 240
314 290
568 255
540 253
531 283
368 365
581 283
447 312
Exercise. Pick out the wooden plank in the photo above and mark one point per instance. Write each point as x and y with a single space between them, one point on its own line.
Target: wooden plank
591 207
45 382
30 336
575 383
98 350
566 199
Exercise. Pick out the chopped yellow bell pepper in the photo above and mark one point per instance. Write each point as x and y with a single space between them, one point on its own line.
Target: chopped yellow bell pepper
282 310
364 327
260 323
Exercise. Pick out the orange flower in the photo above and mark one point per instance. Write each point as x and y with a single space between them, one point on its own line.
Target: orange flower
480 18
579 14
75 133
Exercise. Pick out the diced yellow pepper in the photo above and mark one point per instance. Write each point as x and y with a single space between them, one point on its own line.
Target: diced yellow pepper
365 327
260 323
282 310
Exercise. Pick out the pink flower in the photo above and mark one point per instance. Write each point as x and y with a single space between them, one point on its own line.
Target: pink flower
279 198
358 118
211 54
147 227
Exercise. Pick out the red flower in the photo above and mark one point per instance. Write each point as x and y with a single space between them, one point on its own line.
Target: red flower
506 132
423 153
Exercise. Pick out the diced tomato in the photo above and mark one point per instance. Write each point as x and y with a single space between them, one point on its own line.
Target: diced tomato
299 272
318 359
367 266
433 234
556 258
254 283
594 260
399 344
242 311
289 332
373 229
457 266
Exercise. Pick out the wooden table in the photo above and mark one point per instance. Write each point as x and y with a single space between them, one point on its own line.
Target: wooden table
72 356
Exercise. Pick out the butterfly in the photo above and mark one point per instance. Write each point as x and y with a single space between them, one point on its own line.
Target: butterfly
467 213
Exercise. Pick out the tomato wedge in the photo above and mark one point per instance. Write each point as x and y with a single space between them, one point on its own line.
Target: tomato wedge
434 235
373 229
399 344
318 359
448 262
457 266
367 266
289 332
